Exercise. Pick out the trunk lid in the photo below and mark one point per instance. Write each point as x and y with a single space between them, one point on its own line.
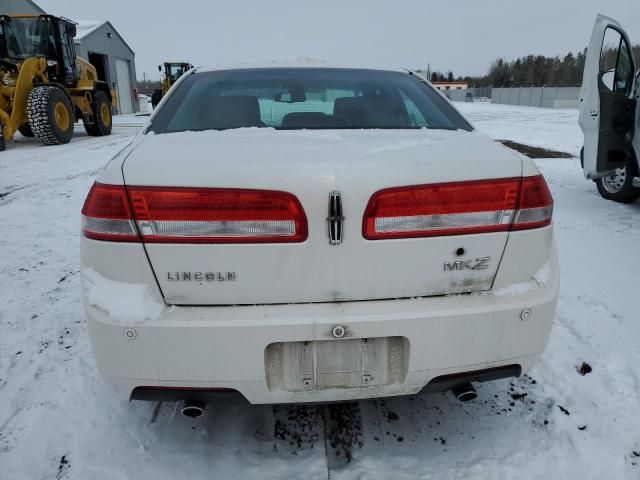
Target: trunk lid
311 165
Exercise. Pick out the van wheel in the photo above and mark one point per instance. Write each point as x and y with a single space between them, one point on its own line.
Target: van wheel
102 120
50 115
619 186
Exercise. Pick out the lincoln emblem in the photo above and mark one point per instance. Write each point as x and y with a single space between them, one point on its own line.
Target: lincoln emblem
335 218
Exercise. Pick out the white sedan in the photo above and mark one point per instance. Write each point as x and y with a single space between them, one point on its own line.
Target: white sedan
311 234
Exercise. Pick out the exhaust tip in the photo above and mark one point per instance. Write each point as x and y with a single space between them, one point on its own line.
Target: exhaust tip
192 408
465 392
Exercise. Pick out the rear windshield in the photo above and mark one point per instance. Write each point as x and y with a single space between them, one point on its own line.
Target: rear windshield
305 98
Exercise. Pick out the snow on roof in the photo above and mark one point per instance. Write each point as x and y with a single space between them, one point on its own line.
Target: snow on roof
299 62
85 27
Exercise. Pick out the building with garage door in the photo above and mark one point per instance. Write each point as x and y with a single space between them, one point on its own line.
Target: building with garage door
100 44
104 47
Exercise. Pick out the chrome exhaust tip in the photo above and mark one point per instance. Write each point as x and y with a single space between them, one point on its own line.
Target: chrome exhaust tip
464 392
192 408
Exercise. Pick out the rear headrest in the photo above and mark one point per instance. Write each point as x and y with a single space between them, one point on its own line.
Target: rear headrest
353 109
372 111
313 120
234 111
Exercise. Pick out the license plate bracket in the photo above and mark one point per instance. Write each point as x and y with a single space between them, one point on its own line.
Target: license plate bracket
344 363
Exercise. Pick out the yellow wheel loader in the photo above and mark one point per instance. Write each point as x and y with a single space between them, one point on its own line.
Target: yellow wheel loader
172 72
44 87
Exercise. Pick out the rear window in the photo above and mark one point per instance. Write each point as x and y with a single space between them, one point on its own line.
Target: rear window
305 98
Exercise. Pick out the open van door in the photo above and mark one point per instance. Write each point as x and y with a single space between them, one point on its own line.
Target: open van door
608 106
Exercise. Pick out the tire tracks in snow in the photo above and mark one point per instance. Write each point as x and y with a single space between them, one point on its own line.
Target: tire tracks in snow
57 181
335 427
9 190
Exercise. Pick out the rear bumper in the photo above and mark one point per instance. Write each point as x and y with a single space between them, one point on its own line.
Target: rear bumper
224 347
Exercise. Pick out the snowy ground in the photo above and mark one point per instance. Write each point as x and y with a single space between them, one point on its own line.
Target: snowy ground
553 129
58 420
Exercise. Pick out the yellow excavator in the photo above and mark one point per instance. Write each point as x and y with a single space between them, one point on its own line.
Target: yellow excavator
172 72
44 87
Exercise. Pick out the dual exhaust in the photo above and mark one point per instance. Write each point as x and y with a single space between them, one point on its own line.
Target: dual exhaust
192 408
463 393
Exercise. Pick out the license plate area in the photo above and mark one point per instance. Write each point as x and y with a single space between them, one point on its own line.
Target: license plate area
345 363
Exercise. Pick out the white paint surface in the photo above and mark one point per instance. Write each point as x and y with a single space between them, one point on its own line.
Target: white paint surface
53 402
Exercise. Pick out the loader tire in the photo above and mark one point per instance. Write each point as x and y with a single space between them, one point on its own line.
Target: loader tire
3 144
102 120
50 115
25 130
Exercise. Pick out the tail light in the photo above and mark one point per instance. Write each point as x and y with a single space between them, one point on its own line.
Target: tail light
458 208
106 215
192 215
217 215
535 206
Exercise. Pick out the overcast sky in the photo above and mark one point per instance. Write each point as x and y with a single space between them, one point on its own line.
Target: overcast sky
464 38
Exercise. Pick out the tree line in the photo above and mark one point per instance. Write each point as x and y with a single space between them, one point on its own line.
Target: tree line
534 70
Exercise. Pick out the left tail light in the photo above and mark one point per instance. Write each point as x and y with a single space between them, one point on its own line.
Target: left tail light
217 215
106 215
192 215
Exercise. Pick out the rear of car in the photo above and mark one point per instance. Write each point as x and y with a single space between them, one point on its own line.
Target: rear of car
315 234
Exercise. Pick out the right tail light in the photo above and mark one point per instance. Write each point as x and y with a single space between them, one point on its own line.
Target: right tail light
535 204
458 208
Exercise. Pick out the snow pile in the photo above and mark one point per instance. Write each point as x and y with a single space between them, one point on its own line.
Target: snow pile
514 290
539 279
86 27
542 276
404 145
127 303
308 60
367 142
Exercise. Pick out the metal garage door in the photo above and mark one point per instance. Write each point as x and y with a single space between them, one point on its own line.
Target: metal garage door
124 86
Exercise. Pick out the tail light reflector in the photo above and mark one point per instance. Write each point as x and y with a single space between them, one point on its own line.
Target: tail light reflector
535 206
217 215
458 208
106 214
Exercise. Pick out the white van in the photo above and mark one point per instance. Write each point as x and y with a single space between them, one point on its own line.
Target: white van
610 113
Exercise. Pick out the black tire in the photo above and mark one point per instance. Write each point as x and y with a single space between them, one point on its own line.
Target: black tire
3 144
25 130
156 96
619 187
102 119
50 115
